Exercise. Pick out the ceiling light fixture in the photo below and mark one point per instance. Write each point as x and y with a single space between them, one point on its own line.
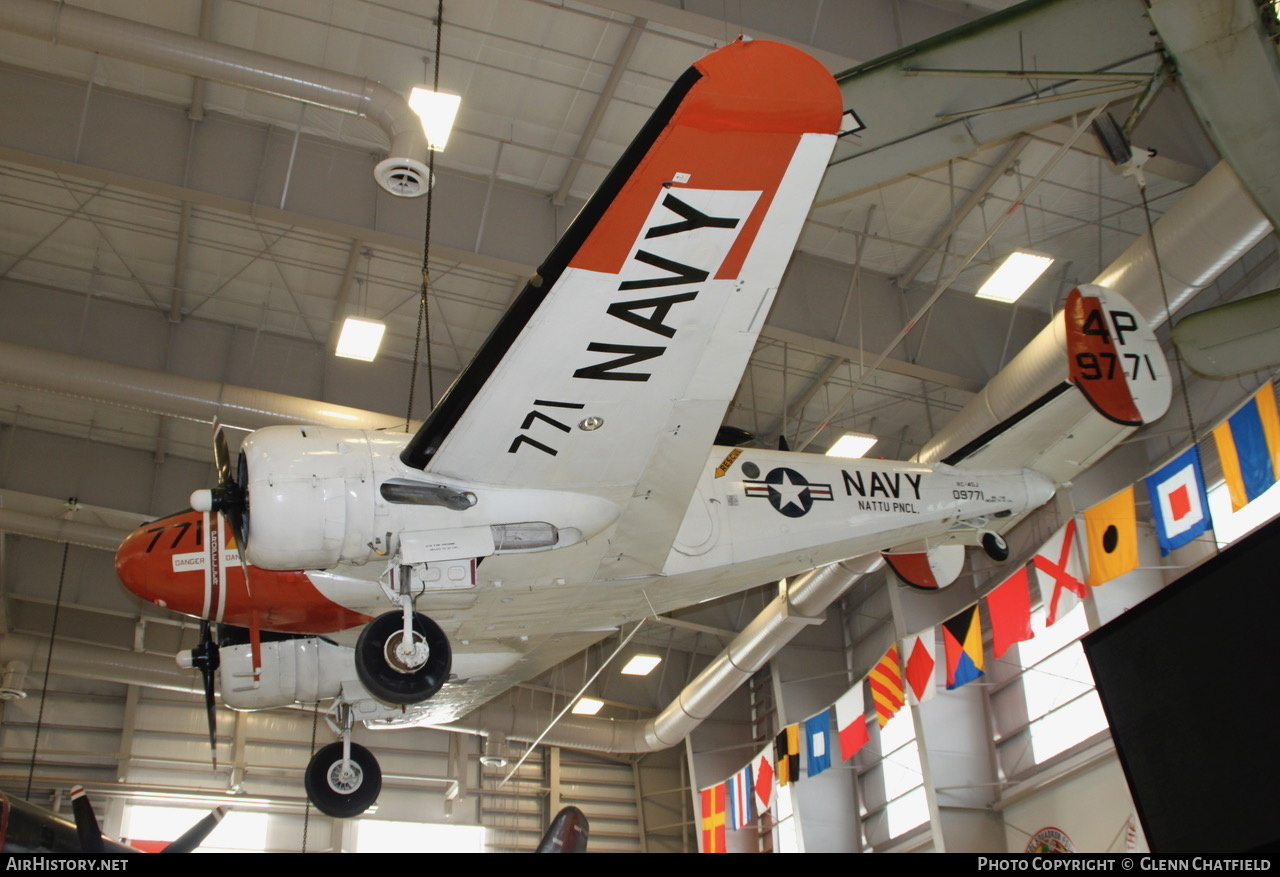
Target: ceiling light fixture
437 111
360 339
852 445
641 665
587 706
1014 276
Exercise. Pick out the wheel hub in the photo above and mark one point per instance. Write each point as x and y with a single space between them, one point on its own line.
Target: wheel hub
345 777
408 660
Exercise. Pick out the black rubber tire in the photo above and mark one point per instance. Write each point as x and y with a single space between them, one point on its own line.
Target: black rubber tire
389 684
995 547
335 802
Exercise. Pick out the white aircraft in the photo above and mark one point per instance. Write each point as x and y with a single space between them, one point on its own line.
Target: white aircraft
569 483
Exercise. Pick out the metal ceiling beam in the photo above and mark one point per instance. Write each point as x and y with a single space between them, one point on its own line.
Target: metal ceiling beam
597 112
853 354
955 272
717 31
344 293
939 238
180 263
390 232
795 409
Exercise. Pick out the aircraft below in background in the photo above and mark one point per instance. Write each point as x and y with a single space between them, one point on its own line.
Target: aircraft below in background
569 482
26 828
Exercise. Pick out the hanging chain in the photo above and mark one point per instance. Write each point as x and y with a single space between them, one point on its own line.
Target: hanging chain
422 329
48 666
306 814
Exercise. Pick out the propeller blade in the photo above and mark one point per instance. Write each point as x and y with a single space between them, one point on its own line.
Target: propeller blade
205 658
567 833
230 497
222 456
195 835
86 822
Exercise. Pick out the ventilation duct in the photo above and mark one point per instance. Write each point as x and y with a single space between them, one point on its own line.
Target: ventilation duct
174 395
403 174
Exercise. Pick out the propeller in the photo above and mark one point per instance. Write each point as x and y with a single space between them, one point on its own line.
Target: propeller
195 835
204 657
86 823
231 497
90 833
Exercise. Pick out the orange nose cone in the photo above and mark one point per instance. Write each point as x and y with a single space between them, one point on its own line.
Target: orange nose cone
161 562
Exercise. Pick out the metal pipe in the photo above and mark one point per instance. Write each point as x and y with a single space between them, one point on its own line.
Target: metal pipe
141 43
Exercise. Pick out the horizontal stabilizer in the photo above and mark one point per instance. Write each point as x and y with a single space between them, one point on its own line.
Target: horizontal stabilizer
926 567
1090 378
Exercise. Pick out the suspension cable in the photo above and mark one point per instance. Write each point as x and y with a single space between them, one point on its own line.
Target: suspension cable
48 666
422 329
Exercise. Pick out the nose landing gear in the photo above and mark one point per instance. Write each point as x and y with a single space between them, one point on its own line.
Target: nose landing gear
343 784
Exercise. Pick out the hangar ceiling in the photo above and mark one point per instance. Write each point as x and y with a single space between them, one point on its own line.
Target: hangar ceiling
190 227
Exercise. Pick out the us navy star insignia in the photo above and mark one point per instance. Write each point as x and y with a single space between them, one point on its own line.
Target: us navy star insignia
788 491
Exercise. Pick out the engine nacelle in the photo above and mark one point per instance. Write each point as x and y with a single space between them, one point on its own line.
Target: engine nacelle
307 485
319 496
303 670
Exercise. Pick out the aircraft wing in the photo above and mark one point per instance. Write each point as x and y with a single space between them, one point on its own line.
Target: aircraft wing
612 371
1038 62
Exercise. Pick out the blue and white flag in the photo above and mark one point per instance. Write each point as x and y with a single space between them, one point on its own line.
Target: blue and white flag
817 732
1178 501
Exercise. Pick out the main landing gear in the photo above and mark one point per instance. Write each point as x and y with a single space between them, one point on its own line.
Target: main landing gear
403 657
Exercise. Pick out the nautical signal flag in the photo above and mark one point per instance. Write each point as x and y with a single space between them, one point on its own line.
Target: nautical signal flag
1009 608
817 735
851 722
1111 532
762 775
1178 501
713 819
962 642
741 804
920 663
1248 445
786 752
1058 572
886 686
